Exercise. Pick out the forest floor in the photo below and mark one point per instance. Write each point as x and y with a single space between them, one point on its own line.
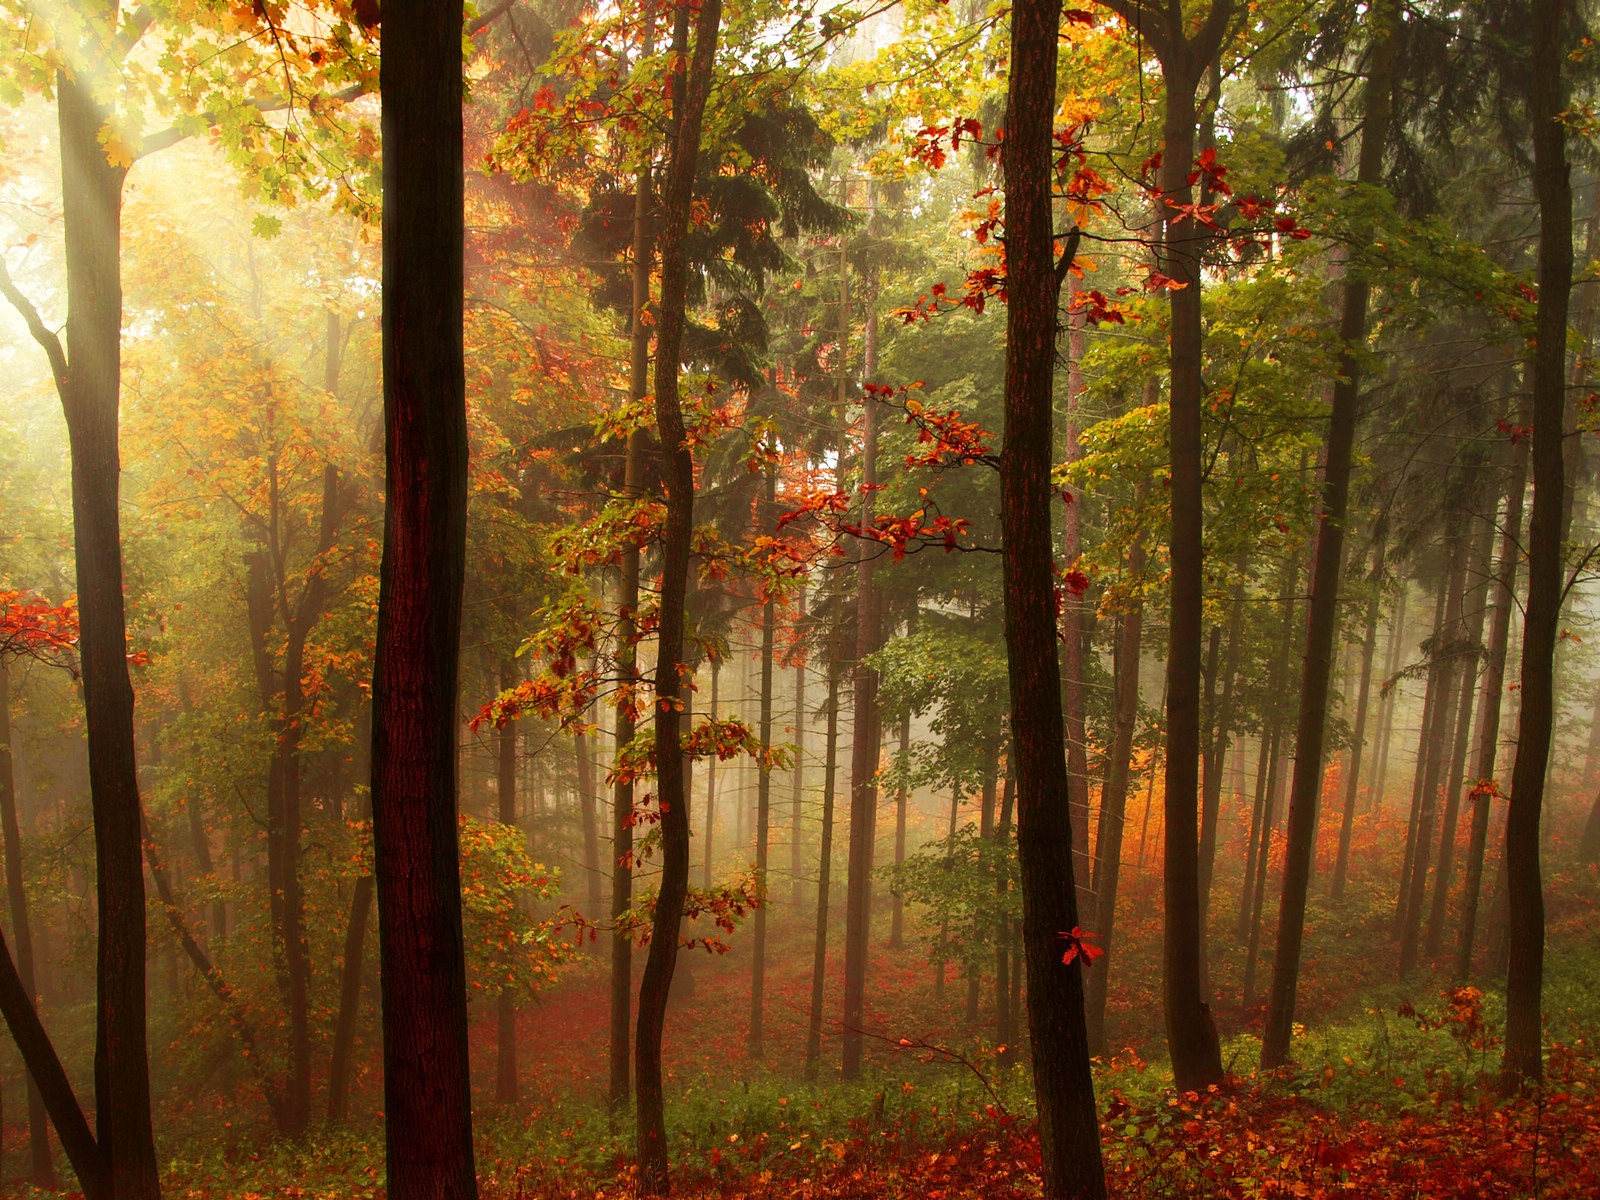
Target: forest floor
1393 1095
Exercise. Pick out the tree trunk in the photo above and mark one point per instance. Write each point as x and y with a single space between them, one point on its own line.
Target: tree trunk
1419 777
1523 1061
1476 603
1327 560
689 86
505 1086
711 778
1380 774
42 1171
1069 1132
796 776
758 958
819 953
427 1094
350 979
1114 800
1369 643
902 802
91 217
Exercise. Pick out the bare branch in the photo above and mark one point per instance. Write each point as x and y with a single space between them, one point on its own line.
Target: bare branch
45 336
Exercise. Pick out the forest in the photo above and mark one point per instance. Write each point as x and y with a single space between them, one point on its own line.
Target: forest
1096 504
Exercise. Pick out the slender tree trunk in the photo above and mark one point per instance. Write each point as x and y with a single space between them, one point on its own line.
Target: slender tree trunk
42 1171
1438 733
902 803
711 779
690 85
986 802
758 959
1476 603
1524 1061
1327 560
796 776
505 1086
819 953
1380 775
1114 800
863 764
1005 1035
350 978
627 637
427 1092
1069 1132
1430 698
1369 643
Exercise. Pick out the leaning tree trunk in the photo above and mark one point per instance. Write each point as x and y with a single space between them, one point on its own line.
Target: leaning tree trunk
1305 788
1523 1061
1069 1131
427 1093
689 87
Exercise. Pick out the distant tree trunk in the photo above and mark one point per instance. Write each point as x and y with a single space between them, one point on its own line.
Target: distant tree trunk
505 1087
1476 603
944 923
1305 789
1220 729
1369 643
986 802
427 1093
863 768
902 800
589 817
1073 648
819 953
1438 732
711 778
350 977
796 776
1069 1130
1114 800
1380 774
1005 1035
1430 698
1523 1061
689 85
42 1167
758 958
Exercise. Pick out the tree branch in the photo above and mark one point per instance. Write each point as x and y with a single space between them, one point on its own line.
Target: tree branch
172 135
36 326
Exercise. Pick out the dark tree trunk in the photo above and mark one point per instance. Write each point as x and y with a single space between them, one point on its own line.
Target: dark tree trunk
819 952
1305 790
689 84
1523 1061
627 649
1369 643
427 1097
796 777
350 979
42 1171
92 217
1069 1132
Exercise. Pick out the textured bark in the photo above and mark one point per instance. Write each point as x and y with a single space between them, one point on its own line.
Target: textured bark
689 87
1069 1141
415 680
819 950
1524 1061
1327 561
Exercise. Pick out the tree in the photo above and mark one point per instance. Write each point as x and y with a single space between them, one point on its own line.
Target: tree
427 1095
1068 1125
1523 1061
690 87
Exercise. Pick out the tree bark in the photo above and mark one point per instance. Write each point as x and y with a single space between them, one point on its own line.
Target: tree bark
427 1097
1069 1134
1327 561
690 85
1523 1061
